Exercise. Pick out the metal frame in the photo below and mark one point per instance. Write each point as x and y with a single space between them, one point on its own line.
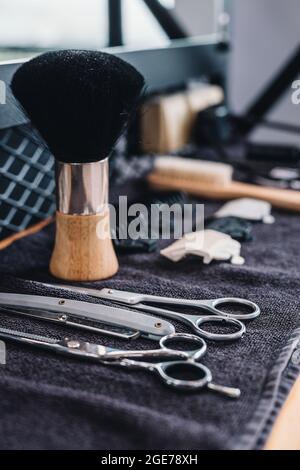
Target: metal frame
181 61
167 21
115 23
270 95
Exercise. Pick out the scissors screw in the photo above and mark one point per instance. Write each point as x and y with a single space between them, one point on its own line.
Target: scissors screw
158 325
73 344
63 317
110 291
61 302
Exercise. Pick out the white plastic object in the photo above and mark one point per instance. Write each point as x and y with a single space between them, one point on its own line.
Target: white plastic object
254 210
285 174
208 244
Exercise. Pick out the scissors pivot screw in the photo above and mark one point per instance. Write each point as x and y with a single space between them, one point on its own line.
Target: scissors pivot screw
110 291
61 302
73 344
158 325
63 317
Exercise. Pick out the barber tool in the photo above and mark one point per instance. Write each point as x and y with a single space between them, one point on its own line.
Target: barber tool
248 209
80 101
149 228
140 245
141 301
159 200
238 228
75 313
65 320
280 177
214 181
213 125
208 244
167 120
281 155
123 242
185 361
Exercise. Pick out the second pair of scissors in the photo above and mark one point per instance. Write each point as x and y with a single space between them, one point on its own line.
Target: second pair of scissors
175 372
155 304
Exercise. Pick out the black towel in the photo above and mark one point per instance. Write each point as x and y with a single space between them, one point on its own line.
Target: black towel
53 402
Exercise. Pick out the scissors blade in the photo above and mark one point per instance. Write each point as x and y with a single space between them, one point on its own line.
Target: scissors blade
66 346
28 338
73 347
128 298
111 315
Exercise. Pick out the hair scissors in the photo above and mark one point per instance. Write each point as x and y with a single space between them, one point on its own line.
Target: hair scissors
184 361
145 303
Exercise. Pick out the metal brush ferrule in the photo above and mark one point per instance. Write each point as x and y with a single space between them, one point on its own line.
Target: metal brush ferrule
82 188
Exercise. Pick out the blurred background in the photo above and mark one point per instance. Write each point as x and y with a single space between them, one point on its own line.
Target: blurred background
263 34
206 63
52 24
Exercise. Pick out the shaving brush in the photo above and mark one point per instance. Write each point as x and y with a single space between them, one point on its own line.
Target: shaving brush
80 102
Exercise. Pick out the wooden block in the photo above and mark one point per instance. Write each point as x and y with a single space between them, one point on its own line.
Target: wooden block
167 121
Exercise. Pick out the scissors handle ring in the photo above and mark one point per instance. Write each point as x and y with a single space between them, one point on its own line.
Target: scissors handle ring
194 354
164 369
234 300
221 336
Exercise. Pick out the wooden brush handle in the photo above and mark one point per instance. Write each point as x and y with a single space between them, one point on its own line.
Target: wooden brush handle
79 254
282 198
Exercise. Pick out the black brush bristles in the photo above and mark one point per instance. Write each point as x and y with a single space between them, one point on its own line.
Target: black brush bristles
79 101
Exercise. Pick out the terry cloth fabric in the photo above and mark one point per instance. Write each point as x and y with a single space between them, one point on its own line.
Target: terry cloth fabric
54 402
